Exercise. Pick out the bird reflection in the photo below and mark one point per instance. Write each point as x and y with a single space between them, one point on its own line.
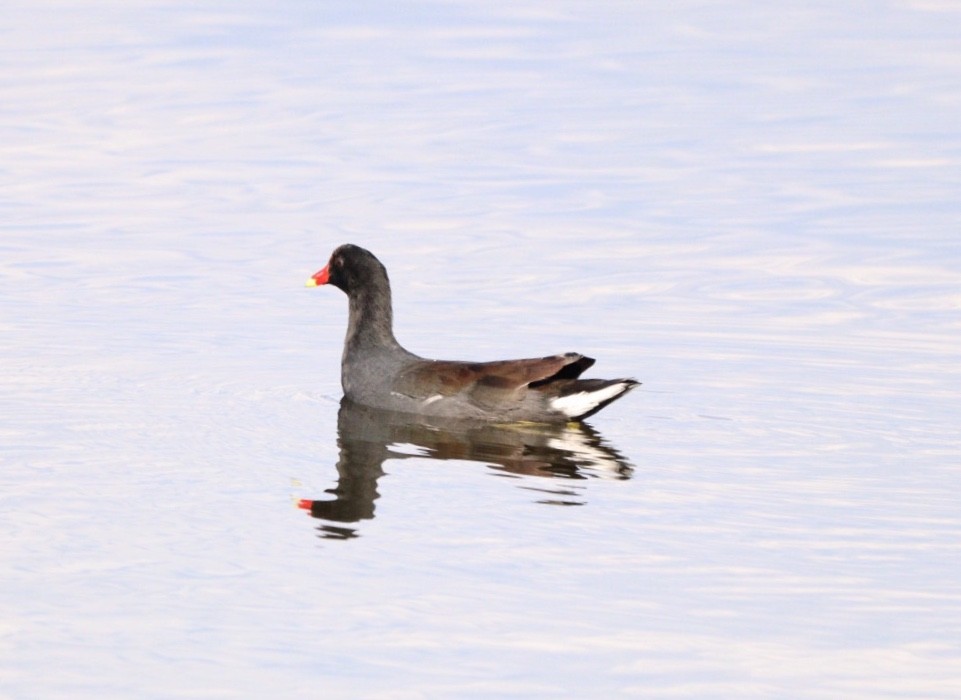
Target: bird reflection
368 436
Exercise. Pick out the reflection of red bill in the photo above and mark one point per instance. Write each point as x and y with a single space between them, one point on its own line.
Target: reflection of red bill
305 503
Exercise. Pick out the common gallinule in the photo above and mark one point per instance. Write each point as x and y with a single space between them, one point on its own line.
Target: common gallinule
376 371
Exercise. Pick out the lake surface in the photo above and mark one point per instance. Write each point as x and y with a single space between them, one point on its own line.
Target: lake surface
754 210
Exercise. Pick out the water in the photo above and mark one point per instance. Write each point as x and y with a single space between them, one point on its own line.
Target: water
752 210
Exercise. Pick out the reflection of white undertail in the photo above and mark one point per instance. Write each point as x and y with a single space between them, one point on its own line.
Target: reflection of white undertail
588 455
583 402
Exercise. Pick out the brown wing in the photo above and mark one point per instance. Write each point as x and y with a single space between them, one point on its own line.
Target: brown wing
489 383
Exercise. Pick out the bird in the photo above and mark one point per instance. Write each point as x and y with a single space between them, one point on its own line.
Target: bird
377 371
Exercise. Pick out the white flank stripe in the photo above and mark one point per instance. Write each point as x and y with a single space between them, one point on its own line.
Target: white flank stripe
583 401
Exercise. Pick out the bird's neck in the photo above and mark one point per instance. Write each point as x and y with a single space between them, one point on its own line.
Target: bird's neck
371 320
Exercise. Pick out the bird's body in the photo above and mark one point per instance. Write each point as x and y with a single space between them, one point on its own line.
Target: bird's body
377 371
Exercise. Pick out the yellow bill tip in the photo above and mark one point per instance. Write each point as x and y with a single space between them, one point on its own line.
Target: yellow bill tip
311 282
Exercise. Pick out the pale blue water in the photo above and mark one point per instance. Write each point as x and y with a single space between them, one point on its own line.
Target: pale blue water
753 210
